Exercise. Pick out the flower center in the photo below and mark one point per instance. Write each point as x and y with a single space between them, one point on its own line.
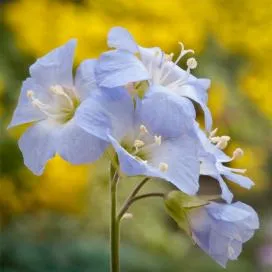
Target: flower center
142 146
60 105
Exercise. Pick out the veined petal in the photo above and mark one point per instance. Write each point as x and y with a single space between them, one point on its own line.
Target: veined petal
120 38
252 220
181 156
165 113
118 68
55 68
106 111
78 146
219 229
25 112
38 145
85 81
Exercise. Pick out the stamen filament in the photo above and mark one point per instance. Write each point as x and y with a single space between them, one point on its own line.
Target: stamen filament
58 90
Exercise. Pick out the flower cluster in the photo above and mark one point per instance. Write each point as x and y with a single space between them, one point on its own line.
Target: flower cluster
140 102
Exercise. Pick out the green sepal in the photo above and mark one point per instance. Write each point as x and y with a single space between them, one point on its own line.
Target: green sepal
178 204
187 201
178 213
141 88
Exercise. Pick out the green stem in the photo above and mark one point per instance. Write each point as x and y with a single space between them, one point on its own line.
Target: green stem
132 200
114 229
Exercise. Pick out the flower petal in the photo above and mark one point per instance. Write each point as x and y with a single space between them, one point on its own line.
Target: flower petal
38 145
219 229
178 154
208 168
199 95
55 68
106 110
239 179
181 156
120 38
25 112
85 82
253 220
78 146
165 113
118 68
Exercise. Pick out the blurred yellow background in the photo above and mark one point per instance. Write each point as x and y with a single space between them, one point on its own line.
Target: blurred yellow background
233 44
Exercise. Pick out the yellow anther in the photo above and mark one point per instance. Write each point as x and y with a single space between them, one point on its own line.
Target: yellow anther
213 133
223 142
157 140
143 129
168 57
163 166
138 143
215 140
225 138
238 153
191 63
30 94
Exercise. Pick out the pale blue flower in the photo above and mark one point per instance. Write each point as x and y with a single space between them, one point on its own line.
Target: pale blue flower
213 158
148 141
131 63
221 229
49 99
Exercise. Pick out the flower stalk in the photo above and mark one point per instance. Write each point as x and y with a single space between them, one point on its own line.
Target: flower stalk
114 224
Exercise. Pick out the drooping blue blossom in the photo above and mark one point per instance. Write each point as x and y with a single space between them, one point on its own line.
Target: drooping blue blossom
131 63
49 99
221 229
167 149
213 158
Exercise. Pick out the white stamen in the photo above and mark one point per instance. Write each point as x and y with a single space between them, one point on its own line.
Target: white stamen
213 133
238 153
58 90
182 53
143 129
191 63
157 140
36 102
163 166
47 109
